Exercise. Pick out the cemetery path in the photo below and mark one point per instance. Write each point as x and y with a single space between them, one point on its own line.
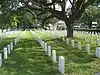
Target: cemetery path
28 58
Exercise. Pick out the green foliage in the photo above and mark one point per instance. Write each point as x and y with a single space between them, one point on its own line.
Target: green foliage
8 20
2 1
43 11
26 19
91 14
51 21
13 16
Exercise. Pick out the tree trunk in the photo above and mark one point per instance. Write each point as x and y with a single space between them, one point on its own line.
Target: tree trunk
70 31
90 25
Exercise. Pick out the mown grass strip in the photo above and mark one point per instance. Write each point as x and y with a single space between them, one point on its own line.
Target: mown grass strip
78 62
28 58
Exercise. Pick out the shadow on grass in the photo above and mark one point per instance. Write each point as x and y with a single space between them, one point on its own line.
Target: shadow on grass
29 59
72 54
78 62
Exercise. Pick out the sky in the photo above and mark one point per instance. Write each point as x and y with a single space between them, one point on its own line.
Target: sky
67 5
57 6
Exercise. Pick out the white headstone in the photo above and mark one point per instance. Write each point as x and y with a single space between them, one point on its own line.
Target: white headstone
0 59
53 56
65 32
18 39
72 43
49 50
63 38
91 41
21 35
88 48
98 52
67 41
15 41
96 33
92 34
98 42
42 44
83 35
61 64
5 53
8 46
79 45
45 47
11 45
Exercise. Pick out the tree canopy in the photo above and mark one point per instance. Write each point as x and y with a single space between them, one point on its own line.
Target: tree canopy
91 14
47 9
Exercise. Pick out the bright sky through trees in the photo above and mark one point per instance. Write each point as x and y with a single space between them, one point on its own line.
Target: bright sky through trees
67 5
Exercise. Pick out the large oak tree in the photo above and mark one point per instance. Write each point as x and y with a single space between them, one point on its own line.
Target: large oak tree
68 15
49 6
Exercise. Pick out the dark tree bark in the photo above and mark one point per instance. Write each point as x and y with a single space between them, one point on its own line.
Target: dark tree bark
69 28
90 25
70 31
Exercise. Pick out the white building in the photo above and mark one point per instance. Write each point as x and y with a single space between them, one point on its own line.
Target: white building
60 25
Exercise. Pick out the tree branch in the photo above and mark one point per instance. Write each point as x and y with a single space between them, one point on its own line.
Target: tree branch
49 17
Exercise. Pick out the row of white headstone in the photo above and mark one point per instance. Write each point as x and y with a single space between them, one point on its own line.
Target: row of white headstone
80 47
61 33
7 50
81 34
84 35
52 53
7 34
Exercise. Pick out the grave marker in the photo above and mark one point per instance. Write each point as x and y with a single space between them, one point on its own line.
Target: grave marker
43 44
8 46
63 38
18 39
11 45
5 53
72 43
15 41
98 42
53 56
79 45
98 52
88 48
67 41
0 59
91 41
49 50
45 47
61 64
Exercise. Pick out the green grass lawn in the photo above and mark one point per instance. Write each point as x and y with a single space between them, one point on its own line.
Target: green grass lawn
78 62
28 58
